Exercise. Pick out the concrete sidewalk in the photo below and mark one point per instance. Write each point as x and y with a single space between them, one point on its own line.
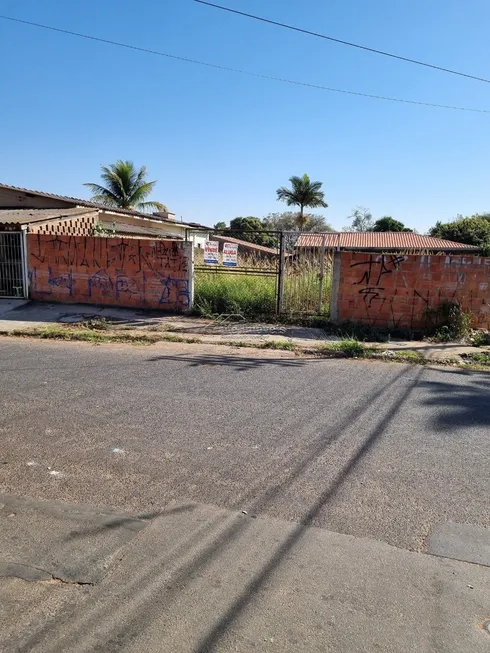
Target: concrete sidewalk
201 579
22 315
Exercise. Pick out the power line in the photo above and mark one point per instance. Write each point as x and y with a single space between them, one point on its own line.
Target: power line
352 45
237 70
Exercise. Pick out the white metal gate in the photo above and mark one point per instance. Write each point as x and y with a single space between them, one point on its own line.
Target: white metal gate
13 271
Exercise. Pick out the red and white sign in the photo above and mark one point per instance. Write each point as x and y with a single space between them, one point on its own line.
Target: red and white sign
211 252
230 254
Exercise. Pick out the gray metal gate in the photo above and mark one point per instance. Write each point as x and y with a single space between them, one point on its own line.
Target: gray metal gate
13 271
269 272
306 273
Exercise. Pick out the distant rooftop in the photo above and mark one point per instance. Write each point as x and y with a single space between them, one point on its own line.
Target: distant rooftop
380 241
245 243
78 202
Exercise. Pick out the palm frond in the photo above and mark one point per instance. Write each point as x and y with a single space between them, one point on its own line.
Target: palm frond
303 192
102 195
141 192
145 207
125 186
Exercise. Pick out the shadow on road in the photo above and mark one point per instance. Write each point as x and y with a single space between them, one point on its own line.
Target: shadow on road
239 363
459 406
149 582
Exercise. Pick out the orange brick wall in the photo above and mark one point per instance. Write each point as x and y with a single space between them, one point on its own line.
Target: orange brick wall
123 272
396 291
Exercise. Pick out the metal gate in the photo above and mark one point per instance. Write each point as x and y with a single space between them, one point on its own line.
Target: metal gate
13 271
263 273
237 272
306 273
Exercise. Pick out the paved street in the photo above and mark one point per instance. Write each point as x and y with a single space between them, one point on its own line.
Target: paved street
369 449
382 452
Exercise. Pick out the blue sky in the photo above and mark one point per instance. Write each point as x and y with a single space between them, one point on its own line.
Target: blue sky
220 143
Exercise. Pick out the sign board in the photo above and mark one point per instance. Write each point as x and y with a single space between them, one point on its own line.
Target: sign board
230 254
211 249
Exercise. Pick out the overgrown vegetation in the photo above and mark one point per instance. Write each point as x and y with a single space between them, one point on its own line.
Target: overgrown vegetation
482 358
348 349
81 334
101 229
480 338
449 322
227 294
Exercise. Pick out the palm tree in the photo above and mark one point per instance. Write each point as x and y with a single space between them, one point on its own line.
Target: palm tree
126 187
304 193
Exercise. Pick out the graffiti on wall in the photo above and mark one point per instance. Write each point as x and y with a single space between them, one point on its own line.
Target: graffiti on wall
372 272
408 291
111 271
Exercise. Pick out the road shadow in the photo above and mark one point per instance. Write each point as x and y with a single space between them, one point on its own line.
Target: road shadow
238 363
149 581
459 405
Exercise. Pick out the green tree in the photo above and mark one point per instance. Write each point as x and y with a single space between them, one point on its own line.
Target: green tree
362 219
288 221
303 193
251 229
474 230
220 226
388 223
126 187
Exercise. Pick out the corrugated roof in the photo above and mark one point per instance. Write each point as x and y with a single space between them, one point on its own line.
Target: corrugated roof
380 240
137 230
245 243
21 217
96 205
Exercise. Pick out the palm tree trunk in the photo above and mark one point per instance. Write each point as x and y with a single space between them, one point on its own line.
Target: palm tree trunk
301 217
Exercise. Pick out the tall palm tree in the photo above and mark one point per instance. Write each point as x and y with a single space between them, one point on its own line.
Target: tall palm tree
126 187
304 193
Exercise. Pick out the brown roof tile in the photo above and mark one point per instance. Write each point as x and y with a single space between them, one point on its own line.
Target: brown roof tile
245 243
382 240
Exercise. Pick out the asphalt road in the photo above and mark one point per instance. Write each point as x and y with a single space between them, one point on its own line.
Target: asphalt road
385 451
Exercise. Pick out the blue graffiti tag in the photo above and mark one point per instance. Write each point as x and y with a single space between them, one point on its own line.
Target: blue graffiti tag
181 288
100 281
63 281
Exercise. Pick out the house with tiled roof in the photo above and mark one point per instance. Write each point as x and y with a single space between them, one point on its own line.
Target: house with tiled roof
35 211
382 242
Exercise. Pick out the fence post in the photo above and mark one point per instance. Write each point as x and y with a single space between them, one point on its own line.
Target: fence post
322 271
280 293
334 299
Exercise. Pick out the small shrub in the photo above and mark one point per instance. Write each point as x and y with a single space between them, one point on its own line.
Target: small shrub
450 321
479 338
409 356
483 358
349 348
96 324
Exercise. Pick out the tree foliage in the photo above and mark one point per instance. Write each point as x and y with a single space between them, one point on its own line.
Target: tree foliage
303 193
362 219
387 223
288 221
474 230
126 187
219 226
251 229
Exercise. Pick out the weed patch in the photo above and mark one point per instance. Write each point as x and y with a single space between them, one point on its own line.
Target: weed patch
480 357
247 295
